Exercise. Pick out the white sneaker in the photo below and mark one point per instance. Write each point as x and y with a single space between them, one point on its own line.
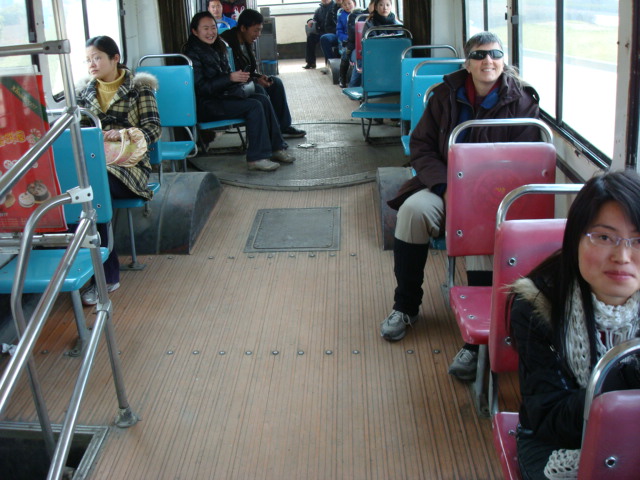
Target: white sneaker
90 295
282 157
464 365
263 165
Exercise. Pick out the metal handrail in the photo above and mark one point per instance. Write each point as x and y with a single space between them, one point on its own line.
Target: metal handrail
428 47
386 28
436 61
501 122
165 55
604 366
550 188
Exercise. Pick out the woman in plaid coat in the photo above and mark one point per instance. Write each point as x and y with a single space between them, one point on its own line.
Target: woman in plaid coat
120 100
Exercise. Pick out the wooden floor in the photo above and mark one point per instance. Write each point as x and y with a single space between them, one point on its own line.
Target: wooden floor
271 366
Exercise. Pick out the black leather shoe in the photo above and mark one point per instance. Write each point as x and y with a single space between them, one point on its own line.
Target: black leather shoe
309 66
293 132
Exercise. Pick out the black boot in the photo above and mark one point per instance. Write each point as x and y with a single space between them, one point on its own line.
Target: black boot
344 69
409 262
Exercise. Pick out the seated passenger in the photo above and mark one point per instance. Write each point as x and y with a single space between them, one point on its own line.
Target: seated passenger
241 40
485 88
329 41
214 81
215 9
349 53
567 313
120 100
342 32
380 14
324 22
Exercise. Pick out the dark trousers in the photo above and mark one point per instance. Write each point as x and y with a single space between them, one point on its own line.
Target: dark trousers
278 98
533 455
263 130
409 262
312 41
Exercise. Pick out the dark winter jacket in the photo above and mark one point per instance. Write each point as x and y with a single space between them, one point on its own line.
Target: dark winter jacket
325 18
380 21
211 75
552 400
429 139
240 60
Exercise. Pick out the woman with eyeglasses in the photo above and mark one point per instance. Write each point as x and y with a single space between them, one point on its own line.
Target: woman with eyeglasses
568 312
486 88
120 100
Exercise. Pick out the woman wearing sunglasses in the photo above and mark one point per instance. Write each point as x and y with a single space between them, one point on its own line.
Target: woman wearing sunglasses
567 313
486 88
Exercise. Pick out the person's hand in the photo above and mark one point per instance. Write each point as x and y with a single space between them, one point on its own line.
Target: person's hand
112 135
264 81
239 76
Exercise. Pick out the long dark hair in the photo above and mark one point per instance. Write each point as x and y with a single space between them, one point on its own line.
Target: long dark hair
106 45
219 44
556 276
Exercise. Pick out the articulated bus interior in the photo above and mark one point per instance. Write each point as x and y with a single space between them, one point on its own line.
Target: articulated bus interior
243 340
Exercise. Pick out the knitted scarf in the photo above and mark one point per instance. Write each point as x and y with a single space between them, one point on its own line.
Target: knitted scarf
615 324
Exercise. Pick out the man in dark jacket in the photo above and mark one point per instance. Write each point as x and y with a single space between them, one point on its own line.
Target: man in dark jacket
486 88
324 20
241 40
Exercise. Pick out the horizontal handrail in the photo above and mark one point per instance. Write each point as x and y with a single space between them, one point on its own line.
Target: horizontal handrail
386 28
164 56
549 188
53 47
427 47
435 61
502 122
83 111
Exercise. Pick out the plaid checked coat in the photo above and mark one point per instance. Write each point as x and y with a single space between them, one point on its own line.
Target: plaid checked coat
133 105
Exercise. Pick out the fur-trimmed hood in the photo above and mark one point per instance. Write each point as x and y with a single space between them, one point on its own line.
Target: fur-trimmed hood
140 79
525 288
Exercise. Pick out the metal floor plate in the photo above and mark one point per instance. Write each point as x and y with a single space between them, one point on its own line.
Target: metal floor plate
295 230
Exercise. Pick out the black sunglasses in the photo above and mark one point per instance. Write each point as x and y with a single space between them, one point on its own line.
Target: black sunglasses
481 54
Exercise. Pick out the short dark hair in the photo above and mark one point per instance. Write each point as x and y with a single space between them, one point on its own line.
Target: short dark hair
249 18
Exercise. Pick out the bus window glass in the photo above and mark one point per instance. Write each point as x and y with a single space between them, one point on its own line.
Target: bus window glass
475 17
590 64
102 18
538 62
498 24
14 31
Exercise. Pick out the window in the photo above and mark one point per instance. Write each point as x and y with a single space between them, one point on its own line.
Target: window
102 19
570 77
14 31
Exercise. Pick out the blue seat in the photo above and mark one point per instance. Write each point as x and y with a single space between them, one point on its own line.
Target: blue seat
155 158
408 64
43 262
381 75
176 104
425 75
229 122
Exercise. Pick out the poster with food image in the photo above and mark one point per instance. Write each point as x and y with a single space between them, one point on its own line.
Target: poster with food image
23 121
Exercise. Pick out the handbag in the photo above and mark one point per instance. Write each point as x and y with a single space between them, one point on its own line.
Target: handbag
240 90
129 150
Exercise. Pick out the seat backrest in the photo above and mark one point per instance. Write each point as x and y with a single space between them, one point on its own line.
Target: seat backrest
175 95
359 27
420 90
520 245
93 144
381 65
479 176
411 67
609 448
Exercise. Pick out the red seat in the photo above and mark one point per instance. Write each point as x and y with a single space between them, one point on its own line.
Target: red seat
479 176
609 448
504 440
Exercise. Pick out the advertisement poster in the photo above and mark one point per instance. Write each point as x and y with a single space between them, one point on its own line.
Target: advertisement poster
23 121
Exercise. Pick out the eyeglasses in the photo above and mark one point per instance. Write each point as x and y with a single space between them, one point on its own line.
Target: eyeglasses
94 59
481 54
610 240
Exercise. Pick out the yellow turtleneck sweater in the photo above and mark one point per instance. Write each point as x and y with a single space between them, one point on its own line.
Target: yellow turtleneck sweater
107 90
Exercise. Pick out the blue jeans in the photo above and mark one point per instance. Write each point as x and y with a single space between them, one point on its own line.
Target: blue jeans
278 98
327 42
263 129
356 76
